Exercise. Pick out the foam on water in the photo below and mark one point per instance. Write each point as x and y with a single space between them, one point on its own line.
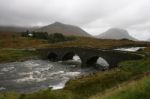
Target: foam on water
43 68
29 73
7 69
60 85
2 88
130 49
56 73
31 64
31 78
72 74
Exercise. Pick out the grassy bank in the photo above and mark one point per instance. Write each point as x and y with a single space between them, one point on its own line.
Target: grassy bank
100 43
9 55
138 89
11 45
90 86
15 40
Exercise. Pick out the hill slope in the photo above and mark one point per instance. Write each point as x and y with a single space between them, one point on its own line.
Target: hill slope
116 33
65 29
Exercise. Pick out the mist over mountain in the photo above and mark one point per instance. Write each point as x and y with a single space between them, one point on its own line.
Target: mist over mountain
148 39
16 29
116 33
56 27
65 29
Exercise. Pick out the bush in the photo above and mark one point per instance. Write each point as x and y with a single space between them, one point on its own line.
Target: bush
40 35
56 37
52 38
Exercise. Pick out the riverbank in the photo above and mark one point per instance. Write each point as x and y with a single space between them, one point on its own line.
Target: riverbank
91 85
135 89
11 55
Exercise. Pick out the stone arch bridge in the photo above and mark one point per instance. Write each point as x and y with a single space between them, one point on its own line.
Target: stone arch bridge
88 56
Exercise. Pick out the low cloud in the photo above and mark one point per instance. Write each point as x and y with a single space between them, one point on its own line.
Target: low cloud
95 16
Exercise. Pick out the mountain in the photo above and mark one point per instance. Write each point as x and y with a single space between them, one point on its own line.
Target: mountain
116 33
148 39
16 29
65 29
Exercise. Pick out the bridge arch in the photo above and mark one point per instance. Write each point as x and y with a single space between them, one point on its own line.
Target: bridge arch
72 56
97 61
68 56
52 56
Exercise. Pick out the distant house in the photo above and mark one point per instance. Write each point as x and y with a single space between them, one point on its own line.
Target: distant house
30 34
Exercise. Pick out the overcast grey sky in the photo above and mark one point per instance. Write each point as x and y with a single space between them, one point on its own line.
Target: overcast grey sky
94 16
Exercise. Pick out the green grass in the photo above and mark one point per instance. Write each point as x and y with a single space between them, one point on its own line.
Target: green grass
9 55
48 94
10 95
99 43
136 67
135 90
91 85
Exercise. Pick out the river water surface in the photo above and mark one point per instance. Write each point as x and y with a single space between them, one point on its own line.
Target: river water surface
33 75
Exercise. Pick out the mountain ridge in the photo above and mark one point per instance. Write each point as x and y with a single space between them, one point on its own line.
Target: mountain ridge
65 29
148 39
116 33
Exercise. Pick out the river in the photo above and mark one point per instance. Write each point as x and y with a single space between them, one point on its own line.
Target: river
33 75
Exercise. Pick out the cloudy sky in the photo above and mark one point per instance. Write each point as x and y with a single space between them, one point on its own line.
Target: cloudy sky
94 16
